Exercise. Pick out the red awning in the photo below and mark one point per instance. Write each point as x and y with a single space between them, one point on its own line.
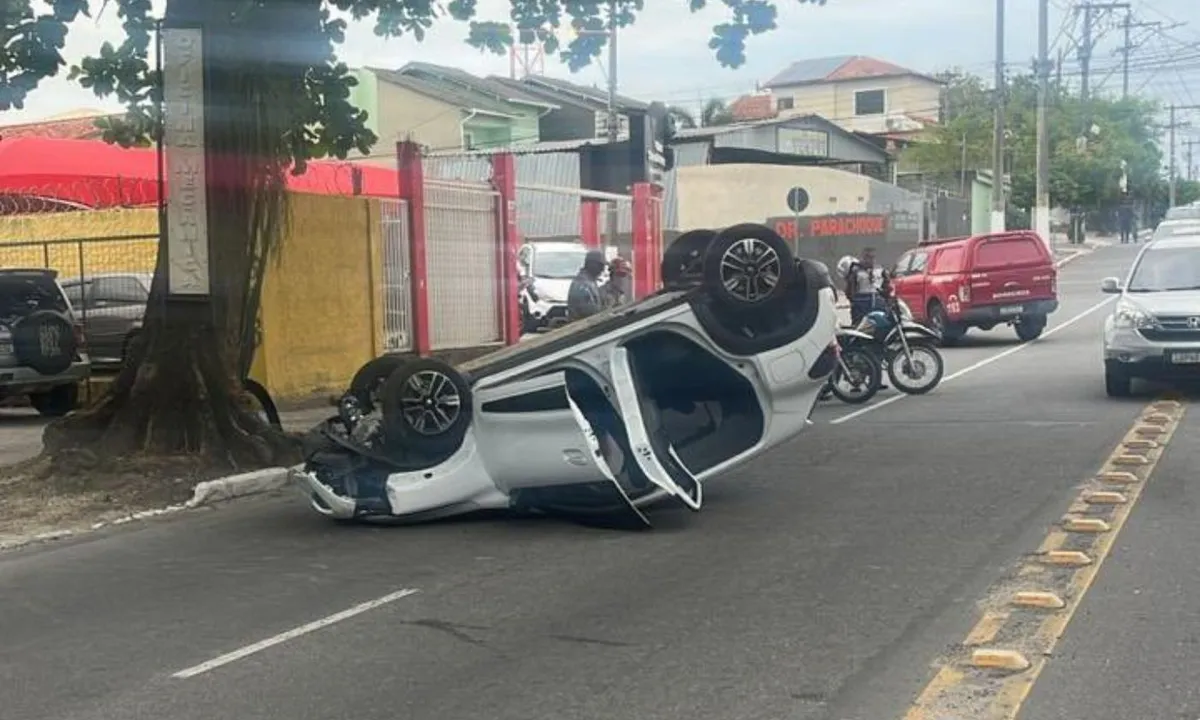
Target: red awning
95 174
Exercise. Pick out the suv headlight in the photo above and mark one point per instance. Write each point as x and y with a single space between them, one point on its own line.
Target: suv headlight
1131 317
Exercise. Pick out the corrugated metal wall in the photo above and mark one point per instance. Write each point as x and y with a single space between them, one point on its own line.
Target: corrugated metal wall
539 213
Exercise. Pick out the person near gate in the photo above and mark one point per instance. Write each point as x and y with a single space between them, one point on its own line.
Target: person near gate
584 298
865 283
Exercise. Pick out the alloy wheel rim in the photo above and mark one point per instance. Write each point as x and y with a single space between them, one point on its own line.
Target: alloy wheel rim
431 402
750 270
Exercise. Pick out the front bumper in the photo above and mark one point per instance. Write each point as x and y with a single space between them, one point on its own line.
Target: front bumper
1143 358
548 313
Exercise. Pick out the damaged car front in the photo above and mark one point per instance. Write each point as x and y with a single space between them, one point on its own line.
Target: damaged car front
604 417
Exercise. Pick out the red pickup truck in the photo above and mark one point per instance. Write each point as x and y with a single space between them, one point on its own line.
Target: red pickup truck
980 281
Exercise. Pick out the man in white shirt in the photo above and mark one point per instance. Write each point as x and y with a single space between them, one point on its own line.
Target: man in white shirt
863 284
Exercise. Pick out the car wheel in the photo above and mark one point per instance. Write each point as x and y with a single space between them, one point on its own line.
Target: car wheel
56 402
426 407
367 385
748 268
951 332
1030 327
1117 381
683 261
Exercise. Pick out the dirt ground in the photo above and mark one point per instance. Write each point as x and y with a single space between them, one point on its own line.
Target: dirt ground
37 498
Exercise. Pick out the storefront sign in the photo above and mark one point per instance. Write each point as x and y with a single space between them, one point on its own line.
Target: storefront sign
183 141
830 226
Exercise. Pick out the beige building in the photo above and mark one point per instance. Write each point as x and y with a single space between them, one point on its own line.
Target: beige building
860 94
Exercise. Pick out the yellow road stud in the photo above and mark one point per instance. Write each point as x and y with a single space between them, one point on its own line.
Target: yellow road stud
1067 558
999 660
1157 419
1038 599
1085 525
1118 477
1130 460
1140 444
1105 497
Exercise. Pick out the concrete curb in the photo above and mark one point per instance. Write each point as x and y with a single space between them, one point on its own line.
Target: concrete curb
207 493
258 482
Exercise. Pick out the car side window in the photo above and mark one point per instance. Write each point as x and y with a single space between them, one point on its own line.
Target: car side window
118 291
949 260
74 293
901 267
919 261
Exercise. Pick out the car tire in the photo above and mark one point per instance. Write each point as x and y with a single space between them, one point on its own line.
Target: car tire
951 332
367 385
746 334
1030 327
1118 383
426 407
749 268
56 402
683 261
31 332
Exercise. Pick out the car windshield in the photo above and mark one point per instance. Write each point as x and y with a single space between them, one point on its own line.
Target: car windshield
1186 212
558 263
1167 269
1177 227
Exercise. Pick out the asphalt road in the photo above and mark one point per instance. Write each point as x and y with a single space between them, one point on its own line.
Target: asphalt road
822 584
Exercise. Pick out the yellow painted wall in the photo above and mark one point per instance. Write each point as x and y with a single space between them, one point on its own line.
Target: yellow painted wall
322 306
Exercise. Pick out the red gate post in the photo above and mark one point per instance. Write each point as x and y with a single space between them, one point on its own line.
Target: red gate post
644 261
589 223
504 180
412 189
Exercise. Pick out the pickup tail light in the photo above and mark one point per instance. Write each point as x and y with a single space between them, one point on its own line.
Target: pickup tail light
964 293
80 340
1054 283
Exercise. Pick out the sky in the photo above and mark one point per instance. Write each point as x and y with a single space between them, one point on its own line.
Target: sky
665 56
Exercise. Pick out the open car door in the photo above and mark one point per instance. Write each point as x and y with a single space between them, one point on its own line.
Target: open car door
652 451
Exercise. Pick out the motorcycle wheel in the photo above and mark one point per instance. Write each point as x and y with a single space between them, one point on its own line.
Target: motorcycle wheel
924 374
868 377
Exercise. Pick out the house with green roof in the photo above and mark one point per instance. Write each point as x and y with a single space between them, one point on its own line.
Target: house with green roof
445 108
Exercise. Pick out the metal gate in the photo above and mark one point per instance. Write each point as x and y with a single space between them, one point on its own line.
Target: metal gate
463 250
397 276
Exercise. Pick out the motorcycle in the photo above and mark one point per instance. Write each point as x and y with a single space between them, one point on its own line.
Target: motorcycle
905 348
857 367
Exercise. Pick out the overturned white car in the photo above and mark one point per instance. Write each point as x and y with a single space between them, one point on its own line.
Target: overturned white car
602 417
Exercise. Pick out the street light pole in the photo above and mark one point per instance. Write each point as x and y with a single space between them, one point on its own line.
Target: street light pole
1041 211
998 137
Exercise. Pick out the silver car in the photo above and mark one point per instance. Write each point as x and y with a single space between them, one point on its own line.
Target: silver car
1154 330
601 417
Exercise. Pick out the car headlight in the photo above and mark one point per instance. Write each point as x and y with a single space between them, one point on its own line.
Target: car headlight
1131 317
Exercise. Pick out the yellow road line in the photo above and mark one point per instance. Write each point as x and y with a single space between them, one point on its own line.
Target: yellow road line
966 688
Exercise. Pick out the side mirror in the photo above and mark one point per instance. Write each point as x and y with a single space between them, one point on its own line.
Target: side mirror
1110 285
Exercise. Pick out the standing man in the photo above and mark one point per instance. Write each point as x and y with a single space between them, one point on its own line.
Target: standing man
1125 219
616 291
864 282
584 298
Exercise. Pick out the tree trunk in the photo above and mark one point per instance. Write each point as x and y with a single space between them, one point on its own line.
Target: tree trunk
180 394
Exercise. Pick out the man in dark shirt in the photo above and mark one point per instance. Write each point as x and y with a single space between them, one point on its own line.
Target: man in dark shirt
1125 219
583 297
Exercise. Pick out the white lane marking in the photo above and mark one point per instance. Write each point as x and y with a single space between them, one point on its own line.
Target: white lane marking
982 363
291 634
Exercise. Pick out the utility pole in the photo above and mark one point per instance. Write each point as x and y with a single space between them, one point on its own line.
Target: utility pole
998 136
1087 43
1041 209
614 120
1172 125
1127 49
1188 153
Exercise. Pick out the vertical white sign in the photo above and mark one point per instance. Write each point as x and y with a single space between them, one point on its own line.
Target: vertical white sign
183 141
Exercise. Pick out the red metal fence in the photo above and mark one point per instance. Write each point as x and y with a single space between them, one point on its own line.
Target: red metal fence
458 247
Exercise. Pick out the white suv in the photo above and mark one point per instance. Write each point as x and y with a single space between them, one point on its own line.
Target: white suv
1154 331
